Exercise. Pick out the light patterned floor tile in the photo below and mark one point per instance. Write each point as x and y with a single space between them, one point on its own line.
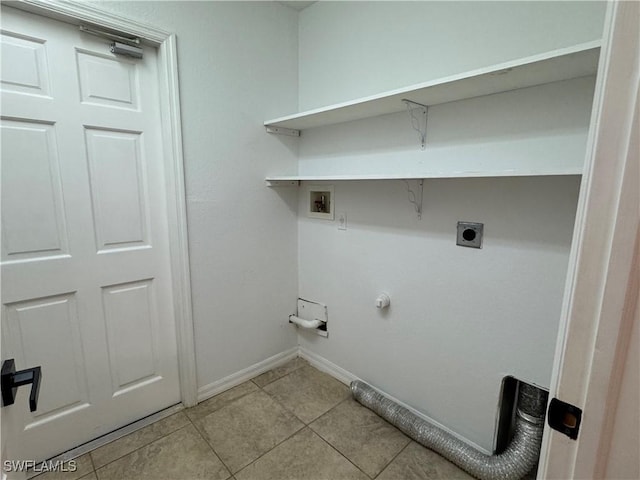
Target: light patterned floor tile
418 463
216 403
138 439
308 393
279 372
361 436
304 456
182 455
243 430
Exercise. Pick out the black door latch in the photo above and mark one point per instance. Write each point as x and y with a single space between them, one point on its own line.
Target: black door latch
564 418
11 380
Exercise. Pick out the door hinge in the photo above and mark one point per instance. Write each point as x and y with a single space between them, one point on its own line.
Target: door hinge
564 418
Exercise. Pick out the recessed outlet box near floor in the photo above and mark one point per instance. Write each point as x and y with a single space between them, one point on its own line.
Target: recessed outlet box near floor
320 202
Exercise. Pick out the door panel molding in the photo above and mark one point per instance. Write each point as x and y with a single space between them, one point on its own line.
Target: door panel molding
77 13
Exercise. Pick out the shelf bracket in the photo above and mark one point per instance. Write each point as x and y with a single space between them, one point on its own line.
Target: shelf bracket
282 183
415 197
418 122
282 131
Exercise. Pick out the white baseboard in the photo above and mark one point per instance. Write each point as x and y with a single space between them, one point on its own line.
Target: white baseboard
347 377
326 366
248 373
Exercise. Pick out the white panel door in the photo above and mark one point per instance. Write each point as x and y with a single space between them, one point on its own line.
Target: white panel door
86 287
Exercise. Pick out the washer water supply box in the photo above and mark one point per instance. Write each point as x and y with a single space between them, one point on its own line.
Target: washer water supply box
311 316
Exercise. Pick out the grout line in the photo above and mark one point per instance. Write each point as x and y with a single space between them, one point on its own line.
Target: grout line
141 447
308 425
92 462
329 443
272 448
344 455
114 435
191 421
71 454
233 401
286 408
223 406
220 458
395 456
292 412
304 424
285 375
213 450
341 454
327 412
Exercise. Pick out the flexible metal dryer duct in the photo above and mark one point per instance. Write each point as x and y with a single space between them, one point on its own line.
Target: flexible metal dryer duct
518 459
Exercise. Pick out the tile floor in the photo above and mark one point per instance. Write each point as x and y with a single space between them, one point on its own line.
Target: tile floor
291 423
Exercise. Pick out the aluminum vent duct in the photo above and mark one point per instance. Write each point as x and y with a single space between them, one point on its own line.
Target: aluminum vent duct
518 459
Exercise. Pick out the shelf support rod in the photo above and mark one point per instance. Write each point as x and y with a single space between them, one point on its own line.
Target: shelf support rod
419 124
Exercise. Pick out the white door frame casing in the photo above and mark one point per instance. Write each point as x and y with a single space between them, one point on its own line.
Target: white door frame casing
77 13
597 313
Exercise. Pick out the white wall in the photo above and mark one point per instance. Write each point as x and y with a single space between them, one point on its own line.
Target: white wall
242 235
461 319
353 49
536 129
